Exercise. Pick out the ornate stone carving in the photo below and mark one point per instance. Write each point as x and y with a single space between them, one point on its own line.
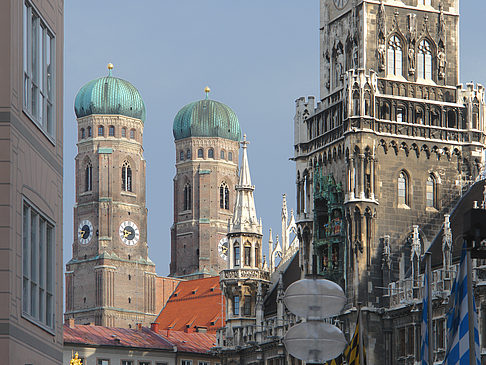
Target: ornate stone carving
381 47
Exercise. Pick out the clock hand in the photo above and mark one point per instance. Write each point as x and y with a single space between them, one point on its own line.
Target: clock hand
82 232
126 233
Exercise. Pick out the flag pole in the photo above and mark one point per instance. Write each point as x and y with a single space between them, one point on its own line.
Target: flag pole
428 269
360 335
470 309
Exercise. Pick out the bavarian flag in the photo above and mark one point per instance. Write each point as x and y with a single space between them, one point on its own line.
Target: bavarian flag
351 352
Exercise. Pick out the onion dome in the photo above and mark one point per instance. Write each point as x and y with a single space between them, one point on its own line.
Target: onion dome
206 118
109 95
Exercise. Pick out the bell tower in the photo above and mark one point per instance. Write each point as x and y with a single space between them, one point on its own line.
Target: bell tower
206 134
110 280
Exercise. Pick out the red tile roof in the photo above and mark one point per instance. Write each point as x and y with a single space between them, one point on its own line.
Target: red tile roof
139 338
194 303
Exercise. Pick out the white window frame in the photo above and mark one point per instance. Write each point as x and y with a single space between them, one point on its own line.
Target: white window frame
186 362
424 60
395 56
38 276
39 70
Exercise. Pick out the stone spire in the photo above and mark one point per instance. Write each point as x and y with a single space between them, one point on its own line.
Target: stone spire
244 216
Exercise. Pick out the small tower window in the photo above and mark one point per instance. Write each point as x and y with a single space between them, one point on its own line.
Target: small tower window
237 255
181 156
101 131
82 133
247 306
230 156
89 132
89 177
187 197
126 177
431 192
403 189
222 154
124 132
247 255
210 153
224 196
111 131
236 305
200 153
188 155
132 133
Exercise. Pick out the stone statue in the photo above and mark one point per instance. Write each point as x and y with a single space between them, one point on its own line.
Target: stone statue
339 64
381 55
355 56
411 60
441 62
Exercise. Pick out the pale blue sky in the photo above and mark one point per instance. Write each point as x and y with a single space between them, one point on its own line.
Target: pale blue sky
256 56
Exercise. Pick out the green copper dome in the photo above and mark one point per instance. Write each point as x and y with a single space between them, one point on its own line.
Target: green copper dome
109 95
206 118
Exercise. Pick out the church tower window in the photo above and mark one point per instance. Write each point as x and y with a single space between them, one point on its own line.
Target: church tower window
181 156
230 156
187 197
237 255
101 131
394 56
403 198
89 132
224 196
82 133
222 154
236 305
132 133
126 177
424 61
89 177
210 153
111 131
124 132
247 306
247 254
200 153
431 192
188 155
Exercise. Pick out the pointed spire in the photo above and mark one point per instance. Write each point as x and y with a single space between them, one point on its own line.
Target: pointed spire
245 179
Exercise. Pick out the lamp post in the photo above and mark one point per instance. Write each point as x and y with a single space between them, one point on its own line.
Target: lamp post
314 341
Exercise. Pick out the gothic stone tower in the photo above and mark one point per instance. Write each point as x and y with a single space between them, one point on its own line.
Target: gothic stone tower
110 279
392 143
206 134
245 281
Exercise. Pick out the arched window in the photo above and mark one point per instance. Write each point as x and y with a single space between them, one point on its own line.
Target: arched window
88 177
111 131
368 105
356 103
200 153
89 132
394 56
247 254
188 155
230 156
126 177
222 154
236 251
401 114
101 131
132 133
403 188
475 116
451 119
236 305
210 153
257 256
187 197
431 192
224 196
82 133
124 132
181 155
424 60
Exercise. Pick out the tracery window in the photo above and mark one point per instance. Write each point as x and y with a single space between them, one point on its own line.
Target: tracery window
431 191
210 153
403 189
88 186
126 176
424 60
394 56
224 196
187 197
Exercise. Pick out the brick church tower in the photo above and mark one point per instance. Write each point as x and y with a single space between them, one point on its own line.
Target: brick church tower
207 135
389 148
110 280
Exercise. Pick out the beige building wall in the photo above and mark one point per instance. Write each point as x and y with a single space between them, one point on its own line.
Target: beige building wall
31 136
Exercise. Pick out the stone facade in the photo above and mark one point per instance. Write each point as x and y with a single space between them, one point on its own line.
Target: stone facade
31 178
110 281
201 214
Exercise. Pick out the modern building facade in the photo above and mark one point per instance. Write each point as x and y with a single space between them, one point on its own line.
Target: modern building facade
31 167
206 134
110 280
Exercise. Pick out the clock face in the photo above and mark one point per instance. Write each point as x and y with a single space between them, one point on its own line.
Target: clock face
340 3
129 233
85 232
223 248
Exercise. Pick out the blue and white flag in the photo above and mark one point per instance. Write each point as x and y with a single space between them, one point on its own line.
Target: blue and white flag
458 321
424 349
